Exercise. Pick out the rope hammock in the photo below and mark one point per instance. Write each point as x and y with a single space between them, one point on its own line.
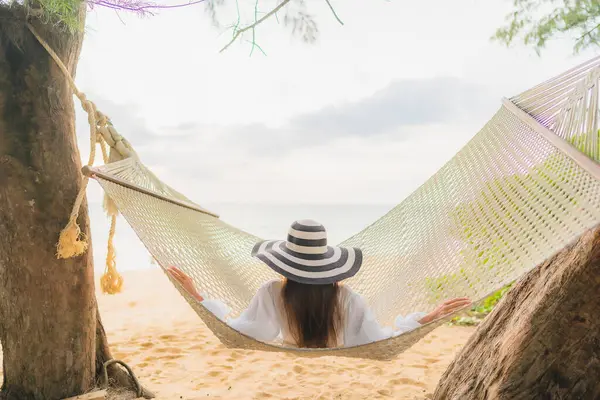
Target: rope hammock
523 188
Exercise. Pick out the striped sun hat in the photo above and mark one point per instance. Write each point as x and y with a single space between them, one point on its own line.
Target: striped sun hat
305 256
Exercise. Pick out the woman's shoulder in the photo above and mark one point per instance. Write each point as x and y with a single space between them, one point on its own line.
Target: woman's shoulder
347 290
273 286
349 296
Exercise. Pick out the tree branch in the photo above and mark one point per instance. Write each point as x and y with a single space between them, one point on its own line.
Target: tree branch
254 29
334 13
255 24
588 32
137 6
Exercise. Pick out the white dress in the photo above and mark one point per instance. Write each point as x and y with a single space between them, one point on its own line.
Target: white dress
264 321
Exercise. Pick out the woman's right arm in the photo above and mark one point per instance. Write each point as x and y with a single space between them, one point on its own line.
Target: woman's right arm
259 320
185 281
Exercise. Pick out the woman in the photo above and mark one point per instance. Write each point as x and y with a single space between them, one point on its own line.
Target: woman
309 308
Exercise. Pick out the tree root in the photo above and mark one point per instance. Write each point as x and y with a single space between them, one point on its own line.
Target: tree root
118 378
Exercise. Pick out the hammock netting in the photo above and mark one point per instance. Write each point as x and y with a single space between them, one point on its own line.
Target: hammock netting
522 189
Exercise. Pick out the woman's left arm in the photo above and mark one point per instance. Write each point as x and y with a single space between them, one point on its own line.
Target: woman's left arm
408 323
363 327
447 307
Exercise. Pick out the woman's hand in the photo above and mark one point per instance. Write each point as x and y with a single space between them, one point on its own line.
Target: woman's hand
185 281
445 308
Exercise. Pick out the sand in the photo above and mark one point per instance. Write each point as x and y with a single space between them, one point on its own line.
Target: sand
152 328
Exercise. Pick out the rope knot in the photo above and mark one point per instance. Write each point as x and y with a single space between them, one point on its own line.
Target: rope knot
90 109
72 242
102 120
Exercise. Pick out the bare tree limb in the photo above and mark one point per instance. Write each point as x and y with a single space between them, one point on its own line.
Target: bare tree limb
334 13
255 24
254 29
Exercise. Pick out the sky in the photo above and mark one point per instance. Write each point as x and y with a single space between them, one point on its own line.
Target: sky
364 115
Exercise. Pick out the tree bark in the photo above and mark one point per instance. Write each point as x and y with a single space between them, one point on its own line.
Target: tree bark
542 341
50 330
47 305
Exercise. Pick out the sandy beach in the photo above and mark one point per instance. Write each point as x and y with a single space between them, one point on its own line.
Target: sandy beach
152 328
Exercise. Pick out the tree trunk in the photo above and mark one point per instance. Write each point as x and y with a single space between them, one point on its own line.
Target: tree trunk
543 340
47 305
48 311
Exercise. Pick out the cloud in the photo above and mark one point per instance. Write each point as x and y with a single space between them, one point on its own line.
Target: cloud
401 104
391 111
403 115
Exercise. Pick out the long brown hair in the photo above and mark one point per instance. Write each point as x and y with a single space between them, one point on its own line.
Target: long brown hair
313 313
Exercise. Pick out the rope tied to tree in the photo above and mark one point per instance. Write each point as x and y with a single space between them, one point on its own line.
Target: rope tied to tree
72 242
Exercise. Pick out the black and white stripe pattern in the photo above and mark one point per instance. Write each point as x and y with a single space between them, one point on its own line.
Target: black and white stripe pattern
305 256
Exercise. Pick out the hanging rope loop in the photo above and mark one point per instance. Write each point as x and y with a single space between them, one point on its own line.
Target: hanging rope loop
72 242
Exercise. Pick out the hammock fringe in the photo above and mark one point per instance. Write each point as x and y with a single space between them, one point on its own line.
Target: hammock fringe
71 242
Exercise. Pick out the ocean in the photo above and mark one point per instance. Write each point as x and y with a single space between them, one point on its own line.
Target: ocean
262 220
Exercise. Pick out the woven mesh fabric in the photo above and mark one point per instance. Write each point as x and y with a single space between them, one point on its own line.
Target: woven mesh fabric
509 200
